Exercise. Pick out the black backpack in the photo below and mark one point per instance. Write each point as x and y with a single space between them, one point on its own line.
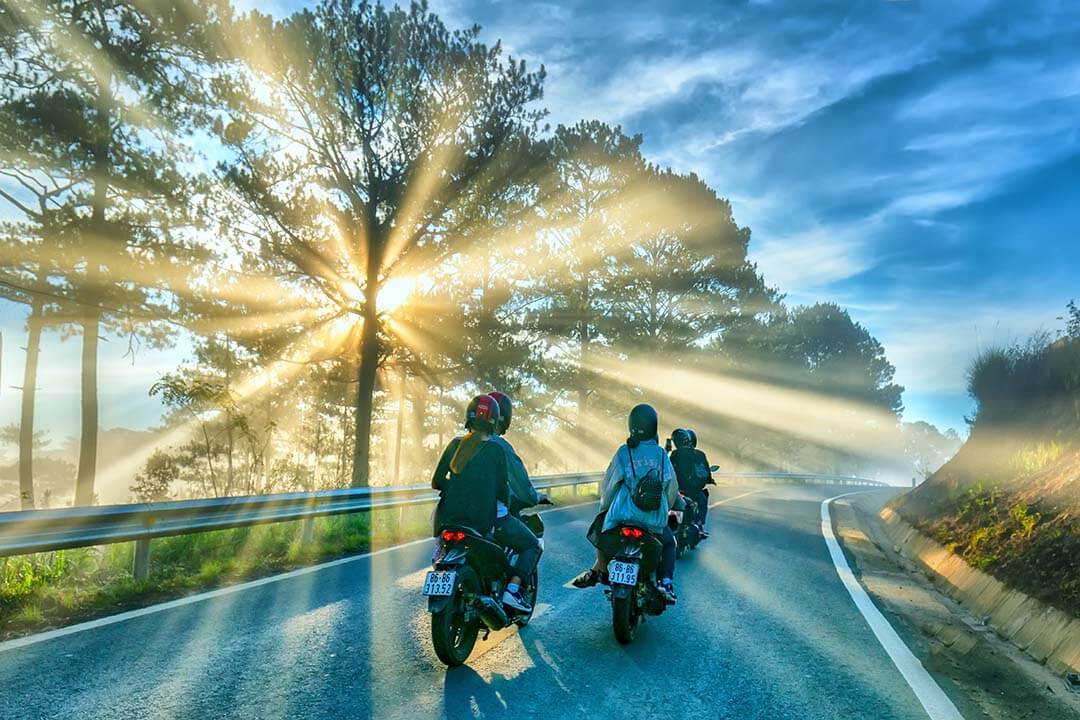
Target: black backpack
649 489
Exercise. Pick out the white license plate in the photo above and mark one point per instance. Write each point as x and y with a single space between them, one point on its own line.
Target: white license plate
622 573
439 582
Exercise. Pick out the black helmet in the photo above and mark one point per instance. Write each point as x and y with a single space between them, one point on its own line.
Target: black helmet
681 437
506 411
693 437
482 413
642 424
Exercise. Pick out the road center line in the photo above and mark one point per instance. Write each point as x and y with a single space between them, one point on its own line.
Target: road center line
570 583
933 699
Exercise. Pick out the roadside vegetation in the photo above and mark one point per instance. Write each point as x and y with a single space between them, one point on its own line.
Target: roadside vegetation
1009 502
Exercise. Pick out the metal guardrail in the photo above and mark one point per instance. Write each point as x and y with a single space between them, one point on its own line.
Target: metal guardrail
30 531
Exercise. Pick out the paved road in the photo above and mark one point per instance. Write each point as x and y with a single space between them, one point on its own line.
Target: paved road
763 629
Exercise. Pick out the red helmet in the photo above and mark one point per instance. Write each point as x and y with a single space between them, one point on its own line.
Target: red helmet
482 413
506 410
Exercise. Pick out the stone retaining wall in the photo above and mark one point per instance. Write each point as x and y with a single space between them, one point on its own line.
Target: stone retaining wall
1045 633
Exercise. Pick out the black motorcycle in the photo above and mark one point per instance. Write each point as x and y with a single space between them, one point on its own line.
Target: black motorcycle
465 589
632 585
687 531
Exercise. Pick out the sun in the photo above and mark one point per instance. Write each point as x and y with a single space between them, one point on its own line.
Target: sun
395 292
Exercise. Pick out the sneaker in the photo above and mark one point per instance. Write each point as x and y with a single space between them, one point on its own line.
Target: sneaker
587 579
516 601
702 532
667 589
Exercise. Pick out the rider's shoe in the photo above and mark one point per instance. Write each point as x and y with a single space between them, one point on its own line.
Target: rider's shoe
587 579
514 599
667 589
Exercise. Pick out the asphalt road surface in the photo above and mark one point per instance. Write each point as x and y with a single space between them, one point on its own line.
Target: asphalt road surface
763 629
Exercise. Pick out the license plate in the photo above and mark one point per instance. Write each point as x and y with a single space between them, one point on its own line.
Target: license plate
439 582
622 573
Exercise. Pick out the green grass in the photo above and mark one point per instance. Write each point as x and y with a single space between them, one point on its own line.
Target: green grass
58 588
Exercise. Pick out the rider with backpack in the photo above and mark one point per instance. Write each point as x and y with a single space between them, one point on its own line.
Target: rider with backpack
639 487
474 491
692 475
703 472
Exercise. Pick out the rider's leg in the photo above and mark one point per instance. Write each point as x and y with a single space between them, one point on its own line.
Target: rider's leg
666 570
512 533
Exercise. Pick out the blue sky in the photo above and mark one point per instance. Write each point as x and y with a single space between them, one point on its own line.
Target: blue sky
918 162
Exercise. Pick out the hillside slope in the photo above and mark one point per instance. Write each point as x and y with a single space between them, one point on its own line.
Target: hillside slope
1009 505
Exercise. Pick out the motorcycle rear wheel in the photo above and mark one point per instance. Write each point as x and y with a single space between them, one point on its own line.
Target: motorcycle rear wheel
452 636
624 618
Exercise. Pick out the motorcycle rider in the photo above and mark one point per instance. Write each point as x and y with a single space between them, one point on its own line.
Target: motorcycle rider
474 488
631 462
703 472
686 461
522 493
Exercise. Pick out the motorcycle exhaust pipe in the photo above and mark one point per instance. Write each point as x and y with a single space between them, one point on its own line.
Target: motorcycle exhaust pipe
491 613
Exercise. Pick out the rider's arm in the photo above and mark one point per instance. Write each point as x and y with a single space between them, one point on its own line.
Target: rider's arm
502 484
671 483
610 482
521 487
442 470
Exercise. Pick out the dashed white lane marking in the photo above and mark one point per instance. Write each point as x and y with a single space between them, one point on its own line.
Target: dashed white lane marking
730 499
228 590
936 703
200 597
570 583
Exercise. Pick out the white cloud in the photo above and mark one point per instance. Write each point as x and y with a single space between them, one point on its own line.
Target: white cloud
809 260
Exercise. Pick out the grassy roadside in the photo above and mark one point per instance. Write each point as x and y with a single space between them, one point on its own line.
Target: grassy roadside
1009 504
48 590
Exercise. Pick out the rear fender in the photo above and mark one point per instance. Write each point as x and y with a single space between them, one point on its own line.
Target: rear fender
621 591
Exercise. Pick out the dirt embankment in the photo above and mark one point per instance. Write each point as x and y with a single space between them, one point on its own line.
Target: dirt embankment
1009 504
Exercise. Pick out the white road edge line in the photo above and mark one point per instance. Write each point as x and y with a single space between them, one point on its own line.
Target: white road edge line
22 642
933 699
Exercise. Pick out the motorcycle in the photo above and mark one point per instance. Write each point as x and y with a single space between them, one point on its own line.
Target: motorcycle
632 586
684 525
465 589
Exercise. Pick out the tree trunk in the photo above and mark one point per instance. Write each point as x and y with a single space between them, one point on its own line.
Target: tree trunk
419 396
400 428
366 374
26 413
84 482
229 439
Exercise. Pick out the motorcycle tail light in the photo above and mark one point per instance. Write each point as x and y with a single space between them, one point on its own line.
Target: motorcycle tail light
453 535
632 533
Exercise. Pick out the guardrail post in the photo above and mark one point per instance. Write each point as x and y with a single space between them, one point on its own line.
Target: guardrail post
140 567
307 531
